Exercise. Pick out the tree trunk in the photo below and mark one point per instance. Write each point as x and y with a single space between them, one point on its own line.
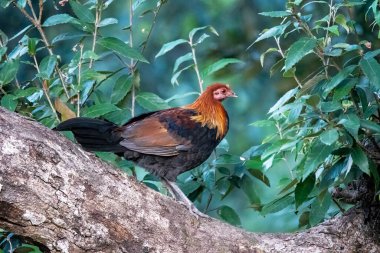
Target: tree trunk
63 199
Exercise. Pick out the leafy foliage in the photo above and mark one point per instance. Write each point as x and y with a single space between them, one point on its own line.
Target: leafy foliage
329 125
100 78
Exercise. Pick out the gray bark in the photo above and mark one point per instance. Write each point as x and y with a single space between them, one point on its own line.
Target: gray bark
64 199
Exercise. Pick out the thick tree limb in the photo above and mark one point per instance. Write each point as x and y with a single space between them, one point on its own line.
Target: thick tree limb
66 200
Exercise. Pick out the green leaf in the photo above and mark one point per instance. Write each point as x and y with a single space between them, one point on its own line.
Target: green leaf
319 208
195 30
182 59
169 46
9 102
303 220
331 106
32 44
285 98
262 56
121 48
360 159
174 79
121 89
298 50
277 205
108 21
151 101
21 3
259 175
276 14
329 137
289 186
119 117
371 69
313 100
332 29
47 66
22 93
351 123
99 110
370 125
209 178
5 3
317 154
229 215
341 20
343 89
219 65
303 189
248 187
227 159
59 19
334 171
264 123
82 12
337 79
8 71
272 32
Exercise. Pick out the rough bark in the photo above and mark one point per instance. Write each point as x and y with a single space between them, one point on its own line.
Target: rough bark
66 200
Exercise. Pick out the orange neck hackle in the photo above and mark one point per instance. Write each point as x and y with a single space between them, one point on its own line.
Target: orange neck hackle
211 112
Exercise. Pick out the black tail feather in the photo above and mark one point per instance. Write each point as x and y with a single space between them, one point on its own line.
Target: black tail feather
94 134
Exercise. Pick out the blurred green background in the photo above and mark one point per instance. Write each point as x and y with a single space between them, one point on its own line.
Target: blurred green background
238 25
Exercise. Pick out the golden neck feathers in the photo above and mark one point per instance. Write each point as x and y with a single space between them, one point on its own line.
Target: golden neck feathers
211 113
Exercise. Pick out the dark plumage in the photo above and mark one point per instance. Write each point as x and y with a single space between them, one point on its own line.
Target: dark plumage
166 143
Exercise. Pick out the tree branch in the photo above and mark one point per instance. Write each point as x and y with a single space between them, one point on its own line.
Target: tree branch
66 200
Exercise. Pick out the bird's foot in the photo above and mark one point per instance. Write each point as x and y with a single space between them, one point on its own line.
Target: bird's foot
193 210
181 197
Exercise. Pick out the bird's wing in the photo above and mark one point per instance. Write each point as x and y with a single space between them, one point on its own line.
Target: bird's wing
151 135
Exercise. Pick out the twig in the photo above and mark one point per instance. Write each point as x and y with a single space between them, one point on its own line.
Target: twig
341 209
37 23
3 91
132 67
45 89
79 78
283 56
200 81
150 31
98 16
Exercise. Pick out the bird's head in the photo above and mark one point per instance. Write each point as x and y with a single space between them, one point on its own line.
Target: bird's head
220 91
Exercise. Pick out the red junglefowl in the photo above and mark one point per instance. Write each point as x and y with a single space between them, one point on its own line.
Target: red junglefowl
166 143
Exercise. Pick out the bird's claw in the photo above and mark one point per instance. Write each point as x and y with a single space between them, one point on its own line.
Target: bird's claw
193 210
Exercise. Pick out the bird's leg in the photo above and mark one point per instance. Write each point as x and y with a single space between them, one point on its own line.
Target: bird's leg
178 194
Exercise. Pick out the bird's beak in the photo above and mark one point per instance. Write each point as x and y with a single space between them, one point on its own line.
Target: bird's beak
232 94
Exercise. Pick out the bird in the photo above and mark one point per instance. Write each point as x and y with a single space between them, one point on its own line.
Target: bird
166 142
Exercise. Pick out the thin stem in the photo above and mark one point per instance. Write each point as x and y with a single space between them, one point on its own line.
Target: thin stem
208 202
200 81
132 67
98 16
279 130
150 31
79 78
41 8
45 89
37 23
32 9
3 91
283 56
341 209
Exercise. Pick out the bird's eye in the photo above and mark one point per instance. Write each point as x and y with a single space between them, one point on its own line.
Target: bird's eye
223 91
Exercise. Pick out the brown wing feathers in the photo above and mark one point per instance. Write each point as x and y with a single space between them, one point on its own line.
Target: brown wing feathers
151 136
